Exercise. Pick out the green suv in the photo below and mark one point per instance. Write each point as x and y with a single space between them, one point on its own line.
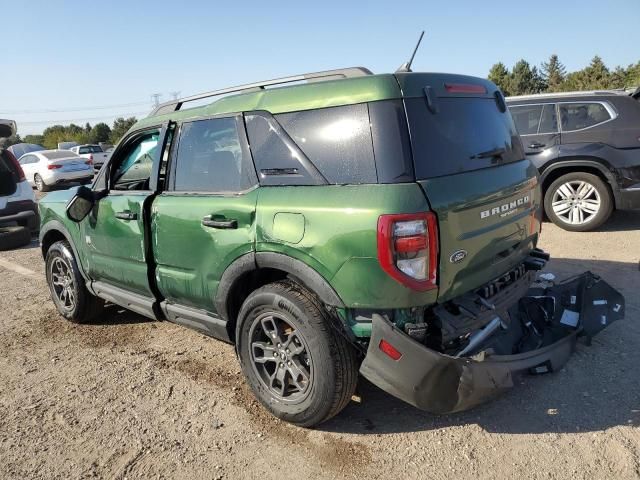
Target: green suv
327 225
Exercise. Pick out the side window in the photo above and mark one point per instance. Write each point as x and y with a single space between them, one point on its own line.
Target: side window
527 118
211 158
549 121
278 159
337 140
576 116
134 169
24 160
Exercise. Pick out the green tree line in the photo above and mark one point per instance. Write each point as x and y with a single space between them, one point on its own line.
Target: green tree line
100 132
552 76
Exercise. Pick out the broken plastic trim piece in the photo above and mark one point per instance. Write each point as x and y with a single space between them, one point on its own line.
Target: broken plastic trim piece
440 383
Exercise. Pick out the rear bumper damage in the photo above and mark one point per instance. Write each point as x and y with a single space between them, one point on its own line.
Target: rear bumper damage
442 383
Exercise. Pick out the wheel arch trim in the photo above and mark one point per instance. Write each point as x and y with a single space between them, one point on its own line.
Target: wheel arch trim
576 164
57 226
253 261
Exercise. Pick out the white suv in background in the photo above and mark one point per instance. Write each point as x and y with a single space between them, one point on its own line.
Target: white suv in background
48 168
18 209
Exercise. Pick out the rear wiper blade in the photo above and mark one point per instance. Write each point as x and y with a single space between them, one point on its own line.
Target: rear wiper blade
496 152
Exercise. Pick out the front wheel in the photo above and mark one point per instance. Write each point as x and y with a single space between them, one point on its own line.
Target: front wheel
68 291
297 364
578 202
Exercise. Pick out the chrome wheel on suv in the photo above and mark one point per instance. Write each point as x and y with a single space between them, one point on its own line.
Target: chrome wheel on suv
578 202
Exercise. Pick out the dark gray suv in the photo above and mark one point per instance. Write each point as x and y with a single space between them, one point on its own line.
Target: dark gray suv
586 146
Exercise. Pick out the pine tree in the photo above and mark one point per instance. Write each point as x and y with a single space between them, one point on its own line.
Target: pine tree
597 74
554 73
501 77
522 79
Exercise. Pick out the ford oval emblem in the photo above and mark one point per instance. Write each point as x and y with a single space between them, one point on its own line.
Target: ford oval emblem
458 256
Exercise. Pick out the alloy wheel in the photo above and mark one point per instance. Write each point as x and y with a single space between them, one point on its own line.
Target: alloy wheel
63 284
576 202
38 181
280 357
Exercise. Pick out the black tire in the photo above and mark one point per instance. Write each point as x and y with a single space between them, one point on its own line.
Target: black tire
85 307
330 360
14 237
40 185
601 194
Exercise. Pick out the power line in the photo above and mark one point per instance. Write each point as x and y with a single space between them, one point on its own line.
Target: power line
77 120
73 109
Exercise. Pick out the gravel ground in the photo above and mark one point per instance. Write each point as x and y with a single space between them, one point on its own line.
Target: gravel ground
130 398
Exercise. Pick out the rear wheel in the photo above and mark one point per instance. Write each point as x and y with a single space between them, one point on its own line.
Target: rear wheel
299 367
68 291
40 185
578 202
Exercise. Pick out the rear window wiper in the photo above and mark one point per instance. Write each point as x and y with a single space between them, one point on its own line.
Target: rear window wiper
496 152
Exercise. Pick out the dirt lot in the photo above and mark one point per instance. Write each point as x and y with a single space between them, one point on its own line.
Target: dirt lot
130 398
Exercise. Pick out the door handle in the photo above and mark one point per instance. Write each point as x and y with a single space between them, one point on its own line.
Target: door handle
208 221
537 145
127 215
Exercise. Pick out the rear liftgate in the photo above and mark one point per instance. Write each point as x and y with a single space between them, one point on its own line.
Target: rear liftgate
536 335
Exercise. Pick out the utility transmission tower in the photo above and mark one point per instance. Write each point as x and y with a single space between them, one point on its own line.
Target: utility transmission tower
156 99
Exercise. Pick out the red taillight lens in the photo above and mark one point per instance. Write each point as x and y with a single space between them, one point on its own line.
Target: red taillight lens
408 248
464 88
53 166
389 349
89 162
91 158
16 165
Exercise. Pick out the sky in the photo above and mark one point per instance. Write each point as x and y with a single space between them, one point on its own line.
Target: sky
89 61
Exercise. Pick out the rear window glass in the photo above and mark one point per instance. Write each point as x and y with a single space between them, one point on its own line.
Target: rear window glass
55 155
337 140
576 116
90 149
464 134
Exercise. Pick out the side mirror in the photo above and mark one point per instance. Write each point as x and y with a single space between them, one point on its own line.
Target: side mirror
81 204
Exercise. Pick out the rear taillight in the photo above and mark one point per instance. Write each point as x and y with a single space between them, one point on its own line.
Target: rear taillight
91 158
89 162
16 165
54 166
408 248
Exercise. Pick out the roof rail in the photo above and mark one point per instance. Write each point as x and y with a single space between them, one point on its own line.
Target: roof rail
350 72
617 91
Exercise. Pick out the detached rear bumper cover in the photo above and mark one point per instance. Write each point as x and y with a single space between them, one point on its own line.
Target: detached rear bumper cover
444 384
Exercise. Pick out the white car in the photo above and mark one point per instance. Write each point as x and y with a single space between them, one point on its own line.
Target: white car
93 153
48 168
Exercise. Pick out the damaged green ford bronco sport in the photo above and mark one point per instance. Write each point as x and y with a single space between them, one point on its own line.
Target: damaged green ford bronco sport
329 225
